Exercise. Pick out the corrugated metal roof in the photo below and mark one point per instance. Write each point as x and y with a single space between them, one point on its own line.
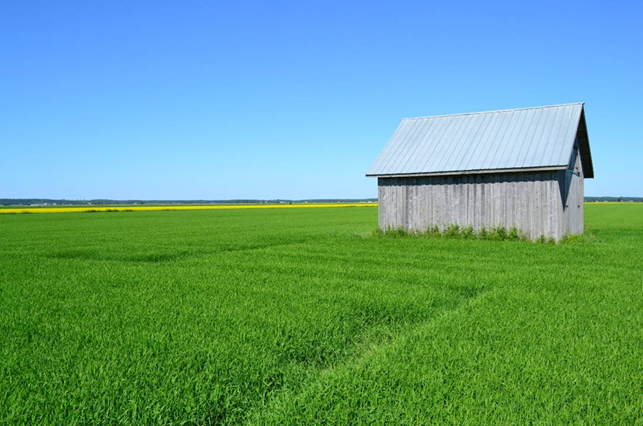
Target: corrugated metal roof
541 137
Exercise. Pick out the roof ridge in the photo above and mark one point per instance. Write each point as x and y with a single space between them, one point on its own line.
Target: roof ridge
491 112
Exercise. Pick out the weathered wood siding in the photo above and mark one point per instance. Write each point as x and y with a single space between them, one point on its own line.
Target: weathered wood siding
530 201
575 196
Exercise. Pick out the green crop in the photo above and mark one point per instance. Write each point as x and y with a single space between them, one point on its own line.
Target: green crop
304 316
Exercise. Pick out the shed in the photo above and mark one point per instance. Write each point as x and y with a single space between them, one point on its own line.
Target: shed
520 168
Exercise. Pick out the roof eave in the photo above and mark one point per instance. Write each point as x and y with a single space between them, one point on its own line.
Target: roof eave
472 172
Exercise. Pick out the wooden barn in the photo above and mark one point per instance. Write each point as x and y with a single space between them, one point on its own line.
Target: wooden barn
520 168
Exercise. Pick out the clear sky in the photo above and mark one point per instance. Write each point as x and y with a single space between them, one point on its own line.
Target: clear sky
222 100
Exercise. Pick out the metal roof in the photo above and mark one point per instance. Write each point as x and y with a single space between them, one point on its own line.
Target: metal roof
526 138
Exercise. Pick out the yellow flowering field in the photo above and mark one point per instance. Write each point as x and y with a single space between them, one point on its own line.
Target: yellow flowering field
81 209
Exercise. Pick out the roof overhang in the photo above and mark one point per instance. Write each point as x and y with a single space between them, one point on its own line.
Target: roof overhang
476 172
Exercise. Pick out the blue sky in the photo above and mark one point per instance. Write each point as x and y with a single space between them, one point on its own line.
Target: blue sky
221 100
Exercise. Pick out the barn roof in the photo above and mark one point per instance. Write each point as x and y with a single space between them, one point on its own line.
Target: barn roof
482 142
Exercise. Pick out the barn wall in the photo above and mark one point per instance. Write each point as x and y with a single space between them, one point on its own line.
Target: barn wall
531 201
573 210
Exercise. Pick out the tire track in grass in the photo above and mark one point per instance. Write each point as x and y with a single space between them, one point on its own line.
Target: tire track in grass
379 335
160 256
284 407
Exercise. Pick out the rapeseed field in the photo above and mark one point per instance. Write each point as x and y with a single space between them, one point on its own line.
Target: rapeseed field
132 208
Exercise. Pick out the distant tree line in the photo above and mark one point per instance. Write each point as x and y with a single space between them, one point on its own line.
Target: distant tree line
615 199
100 202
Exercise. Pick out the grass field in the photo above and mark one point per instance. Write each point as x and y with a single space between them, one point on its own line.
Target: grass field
303 316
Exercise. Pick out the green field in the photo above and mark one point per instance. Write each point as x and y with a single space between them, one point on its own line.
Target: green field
300 316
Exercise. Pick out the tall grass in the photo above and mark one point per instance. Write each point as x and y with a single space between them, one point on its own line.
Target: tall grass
455 231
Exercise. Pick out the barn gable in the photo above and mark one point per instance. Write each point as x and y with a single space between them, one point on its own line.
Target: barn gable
540 138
